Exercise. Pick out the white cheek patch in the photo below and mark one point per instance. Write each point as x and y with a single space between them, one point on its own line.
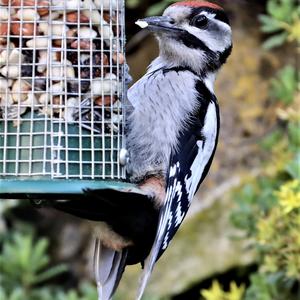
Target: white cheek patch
215 42
223 25
194 58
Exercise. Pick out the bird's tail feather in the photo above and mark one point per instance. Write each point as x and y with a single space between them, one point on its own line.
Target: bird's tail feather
109 266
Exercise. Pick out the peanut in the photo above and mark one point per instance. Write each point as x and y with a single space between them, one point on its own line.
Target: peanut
20 90
105 61
4 14
5 84
86 32
57 43
71 34
22 3
60 71
56 100
3 29
106 17
44 99
43 7
73 18
83 44
53 16
104 87
118 58
15 57
26 29
105 30
27 14
38 42
105 100
10 71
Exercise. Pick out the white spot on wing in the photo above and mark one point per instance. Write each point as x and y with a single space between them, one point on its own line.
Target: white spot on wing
173 170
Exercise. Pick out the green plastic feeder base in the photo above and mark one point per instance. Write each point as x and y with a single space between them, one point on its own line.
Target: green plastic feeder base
55 189
45 147
44 159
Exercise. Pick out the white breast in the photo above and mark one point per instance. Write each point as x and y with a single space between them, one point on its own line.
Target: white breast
161 104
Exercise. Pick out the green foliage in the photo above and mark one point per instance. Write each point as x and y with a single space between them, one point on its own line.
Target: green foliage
268 207
25 268
278 233
282 21
283 87
292 168
86 292
23 262
254 201
216 292
270 287
269 212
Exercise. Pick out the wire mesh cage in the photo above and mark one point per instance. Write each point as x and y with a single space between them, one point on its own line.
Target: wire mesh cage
62 73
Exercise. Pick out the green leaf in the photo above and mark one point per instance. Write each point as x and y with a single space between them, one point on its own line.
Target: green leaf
269 25
17 294
275 41
39 258
293 167
259 289
50 273
271 140
294 134
23 261
281 10
284 86
2 293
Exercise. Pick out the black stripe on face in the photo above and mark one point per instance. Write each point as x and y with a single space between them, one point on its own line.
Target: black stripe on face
224 55
193 42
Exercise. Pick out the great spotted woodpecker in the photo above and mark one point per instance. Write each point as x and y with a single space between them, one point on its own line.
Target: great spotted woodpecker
172 133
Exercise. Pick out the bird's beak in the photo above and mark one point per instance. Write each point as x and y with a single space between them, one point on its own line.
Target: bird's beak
158 24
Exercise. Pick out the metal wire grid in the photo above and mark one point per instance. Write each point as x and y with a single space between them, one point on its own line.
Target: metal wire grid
61 87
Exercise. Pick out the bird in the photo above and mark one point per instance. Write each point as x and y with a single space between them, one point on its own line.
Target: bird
172 129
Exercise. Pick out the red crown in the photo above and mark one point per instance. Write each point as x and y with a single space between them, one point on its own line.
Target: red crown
198 4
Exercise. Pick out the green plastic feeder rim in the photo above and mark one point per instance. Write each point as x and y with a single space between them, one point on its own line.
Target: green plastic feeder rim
56 189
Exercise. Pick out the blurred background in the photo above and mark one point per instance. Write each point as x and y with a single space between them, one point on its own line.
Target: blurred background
241 238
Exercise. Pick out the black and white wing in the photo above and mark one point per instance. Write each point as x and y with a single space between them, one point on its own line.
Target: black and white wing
188 167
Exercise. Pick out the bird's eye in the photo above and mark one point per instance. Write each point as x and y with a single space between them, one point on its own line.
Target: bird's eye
200 21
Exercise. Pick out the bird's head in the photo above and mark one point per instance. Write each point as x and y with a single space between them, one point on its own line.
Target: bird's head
195 34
